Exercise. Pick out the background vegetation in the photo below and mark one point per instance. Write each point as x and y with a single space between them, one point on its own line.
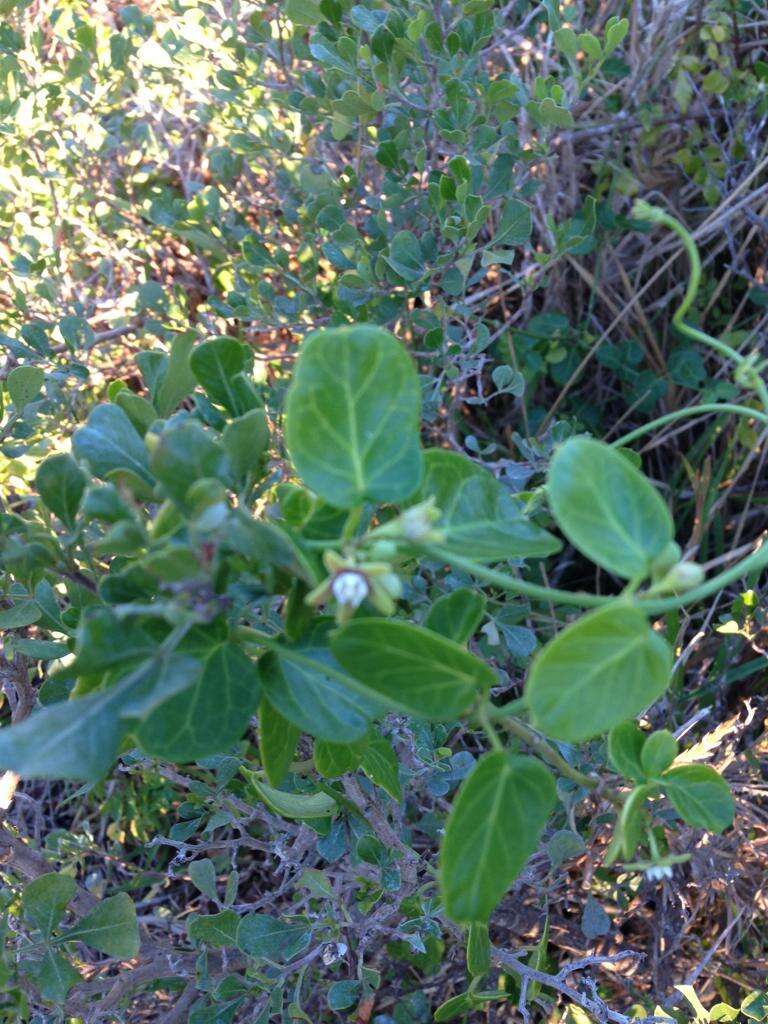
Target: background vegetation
462 174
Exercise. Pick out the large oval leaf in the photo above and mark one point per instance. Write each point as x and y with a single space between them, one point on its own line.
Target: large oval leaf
480 517
210 716
352 417
700 796
412 668
493 828
601 670
607 508
314 700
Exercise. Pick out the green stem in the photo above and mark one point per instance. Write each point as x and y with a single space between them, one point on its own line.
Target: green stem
650 605
548 753
507 582
679 414
644 211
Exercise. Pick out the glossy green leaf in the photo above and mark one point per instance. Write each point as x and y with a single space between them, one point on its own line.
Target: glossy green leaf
456 615
309 689
607 508
601 670
45 899
352 417
411 668
109 442
209 717
60 483
480 517
24 384
110 928
494 826
700 796
658 753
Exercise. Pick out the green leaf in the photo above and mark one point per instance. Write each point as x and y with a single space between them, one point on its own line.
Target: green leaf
332 760
480 517
109 442
625 743
567 41
658 753
184 453
405 256
60 483
73 739
54 976
478 949
303 12
493 828
24 384
607 508
715 81
245 441
515 224
264 936
353 415
615 32
632 820
700 796
343 994
277 742
381 766
215 930
110 928
755 1006
105 641
209 717
411 668
456 615
178 380
220 366
603 669
45 899
292 805
456 1006
202 873
303 684
19 615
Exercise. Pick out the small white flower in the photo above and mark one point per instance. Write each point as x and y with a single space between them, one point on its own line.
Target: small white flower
350 588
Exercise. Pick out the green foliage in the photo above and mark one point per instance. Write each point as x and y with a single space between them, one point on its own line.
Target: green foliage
321 542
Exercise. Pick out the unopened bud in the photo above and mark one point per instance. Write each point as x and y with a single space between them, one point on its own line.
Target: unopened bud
683 576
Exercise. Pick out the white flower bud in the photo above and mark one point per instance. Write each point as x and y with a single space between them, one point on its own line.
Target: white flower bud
350 588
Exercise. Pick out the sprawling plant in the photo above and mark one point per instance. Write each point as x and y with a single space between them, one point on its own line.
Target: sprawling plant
182 590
